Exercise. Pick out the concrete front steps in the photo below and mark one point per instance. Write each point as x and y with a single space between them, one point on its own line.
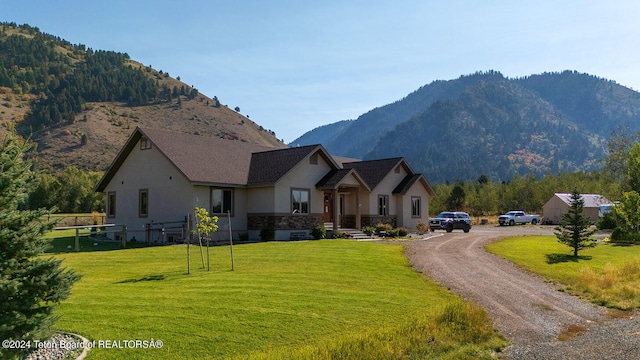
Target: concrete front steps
352 233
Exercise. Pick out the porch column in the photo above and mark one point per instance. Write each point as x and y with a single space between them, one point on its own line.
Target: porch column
336 209
358 219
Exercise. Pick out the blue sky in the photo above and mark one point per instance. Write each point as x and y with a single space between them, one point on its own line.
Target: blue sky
295 65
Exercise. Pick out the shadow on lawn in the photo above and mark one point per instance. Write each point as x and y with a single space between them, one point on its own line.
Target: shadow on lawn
146 278
67 245
563 258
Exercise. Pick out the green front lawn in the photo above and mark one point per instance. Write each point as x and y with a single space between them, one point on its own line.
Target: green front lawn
329 298
608 274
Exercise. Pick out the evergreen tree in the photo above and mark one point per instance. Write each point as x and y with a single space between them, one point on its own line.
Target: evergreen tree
30 285
573 230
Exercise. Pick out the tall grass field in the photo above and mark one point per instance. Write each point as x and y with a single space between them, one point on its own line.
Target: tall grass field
607 275
325 299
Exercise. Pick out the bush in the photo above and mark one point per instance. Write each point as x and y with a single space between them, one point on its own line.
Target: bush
620 235
369 230
383 227
394 233
268 234
403 232
243 237
422 228
607 222
340 235
319 232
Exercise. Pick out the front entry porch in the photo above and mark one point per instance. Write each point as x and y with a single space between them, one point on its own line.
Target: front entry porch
342 204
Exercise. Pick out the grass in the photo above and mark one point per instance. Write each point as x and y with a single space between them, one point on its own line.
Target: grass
327 299
607 275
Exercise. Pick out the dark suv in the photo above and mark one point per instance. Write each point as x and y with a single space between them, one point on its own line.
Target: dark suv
449 220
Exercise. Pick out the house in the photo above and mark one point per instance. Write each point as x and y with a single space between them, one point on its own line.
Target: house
559 204
158 177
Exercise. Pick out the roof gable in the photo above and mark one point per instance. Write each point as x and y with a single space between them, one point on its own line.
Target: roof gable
200 159
335 178
409 181
268 167
374 171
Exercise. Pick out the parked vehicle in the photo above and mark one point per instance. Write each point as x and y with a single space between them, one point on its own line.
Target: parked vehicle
605 209
450 220
518 217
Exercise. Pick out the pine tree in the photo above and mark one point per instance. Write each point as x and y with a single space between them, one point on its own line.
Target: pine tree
30 284
573 229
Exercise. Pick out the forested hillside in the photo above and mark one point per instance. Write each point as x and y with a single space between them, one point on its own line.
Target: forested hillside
81 104
486 124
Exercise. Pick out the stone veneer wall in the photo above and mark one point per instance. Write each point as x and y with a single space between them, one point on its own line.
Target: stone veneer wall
284 221
349 221
373 220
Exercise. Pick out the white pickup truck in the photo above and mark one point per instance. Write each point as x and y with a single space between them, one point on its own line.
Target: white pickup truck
518 217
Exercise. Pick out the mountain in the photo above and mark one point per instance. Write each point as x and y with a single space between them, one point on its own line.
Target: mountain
323 134
486 124
79 105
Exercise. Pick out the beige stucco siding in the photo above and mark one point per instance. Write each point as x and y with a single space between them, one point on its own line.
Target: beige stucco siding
405 218
386 187
261 200
169 192
303 176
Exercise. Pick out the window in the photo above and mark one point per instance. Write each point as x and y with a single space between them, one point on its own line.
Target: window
143 203
383 205
299 201
313 160
221 201
145 143
415 207
111 204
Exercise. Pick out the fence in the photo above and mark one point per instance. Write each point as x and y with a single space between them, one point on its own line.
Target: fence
66 220
96 230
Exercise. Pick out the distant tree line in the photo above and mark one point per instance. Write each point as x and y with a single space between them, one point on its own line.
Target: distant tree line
486 198
71 191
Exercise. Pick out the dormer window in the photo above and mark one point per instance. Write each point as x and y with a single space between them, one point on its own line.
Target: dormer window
145 143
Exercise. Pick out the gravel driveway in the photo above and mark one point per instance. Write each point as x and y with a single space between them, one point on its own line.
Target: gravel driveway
528 311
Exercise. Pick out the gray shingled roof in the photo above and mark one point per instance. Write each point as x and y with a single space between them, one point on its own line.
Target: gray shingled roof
335 177
408 182
269 166
373 171
210 160
590 200
201 159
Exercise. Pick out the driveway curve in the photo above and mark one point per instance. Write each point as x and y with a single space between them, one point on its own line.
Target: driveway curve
528 311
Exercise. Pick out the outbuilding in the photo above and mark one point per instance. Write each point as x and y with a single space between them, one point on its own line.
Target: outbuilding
559 204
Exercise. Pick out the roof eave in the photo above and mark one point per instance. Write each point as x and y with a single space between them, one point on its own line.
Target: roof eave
119 159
